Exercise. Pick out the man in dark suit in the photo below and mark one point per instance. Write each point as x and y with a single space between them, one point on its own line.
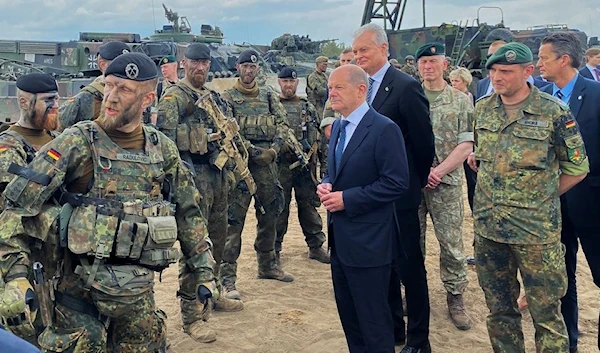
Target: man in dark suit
399 97
367 172
590 70
559 58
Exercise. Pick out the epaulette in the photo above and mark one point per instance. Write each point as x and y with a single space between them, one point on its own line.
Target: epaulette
563 105
484 97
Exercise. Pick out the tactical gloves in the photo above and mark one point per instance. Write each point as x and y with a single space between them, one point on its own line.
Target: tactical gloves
264 156
18 307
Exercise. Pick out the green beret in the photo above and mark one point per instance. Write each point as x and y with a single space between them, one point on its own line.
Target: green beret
132 66
168 59
509 54
111 50
322 59
430 49
288 72
248 56
37 83
197 51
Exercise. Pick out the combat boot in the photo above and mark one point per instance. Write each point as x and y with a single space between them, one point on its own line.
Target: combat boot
278 258
318 254
268 268
194 315
228 305
200 332
230 291
456 307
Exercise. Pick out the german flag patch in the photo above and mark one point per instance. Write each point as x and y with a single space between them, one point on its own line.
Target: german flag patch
570 124
3 148
169 97
54 154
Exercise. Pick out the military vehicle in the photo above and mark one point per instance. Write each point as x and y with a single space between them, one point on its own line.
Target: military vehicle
466 42
296 51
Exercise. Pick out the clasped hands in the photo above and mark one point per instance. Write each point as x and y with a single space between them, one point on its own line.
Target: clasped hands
434 179
333 201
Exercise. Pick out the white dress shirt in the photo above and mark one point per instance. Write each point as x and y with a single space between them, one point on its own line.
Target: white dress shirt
353 120
377 79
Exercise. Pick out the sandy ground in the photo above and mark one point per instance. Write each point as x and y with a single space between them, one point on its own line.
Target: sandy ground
302 316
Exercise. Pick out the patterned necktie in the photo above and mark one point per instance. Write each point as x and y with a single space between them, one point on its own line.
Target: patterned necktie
597 74
559 94
370 91
339 147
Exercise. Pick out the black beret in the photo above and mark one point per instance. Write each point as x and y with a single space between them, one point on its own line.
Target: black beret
167 59
288 72
133 66
37 83
509 54
430 49
111 50
197 51
248 56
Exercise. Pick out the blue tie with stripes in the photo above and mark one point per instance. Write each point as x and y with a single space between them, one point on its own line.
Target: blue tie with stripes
370 91
339 147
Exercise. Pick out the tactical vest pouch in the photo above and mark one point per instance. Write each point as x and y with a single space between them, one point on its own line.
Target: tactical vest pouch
198 138
258 128
57 340
158 251
221 160
141 232
116 287
183 137
125 236
91 232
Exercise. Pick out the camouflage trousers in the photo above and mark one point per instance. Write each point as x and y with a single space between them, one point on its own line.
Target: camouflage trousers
544 277
139 328
307 201
213 187
445 205
270 195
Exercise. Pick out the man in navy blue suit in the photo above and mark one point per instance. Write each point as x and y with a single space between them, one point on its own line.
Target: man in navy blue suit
592 59
559 58
367 172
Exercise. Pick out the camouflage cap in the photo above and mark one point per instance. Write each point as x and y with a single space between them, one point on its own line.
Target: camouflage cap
409 57
132 66
430 49
288 72
248 56
111 50
167 59
37 83
322 59
510 54
197 51
393 61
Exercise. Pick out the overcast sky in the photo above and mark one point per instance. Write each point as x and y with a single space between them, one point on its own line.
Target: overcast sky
259 21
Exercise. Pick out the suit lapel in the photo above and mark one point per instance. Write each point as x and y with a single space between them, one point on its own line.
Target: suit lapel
577 96
384 89
358 136
335 132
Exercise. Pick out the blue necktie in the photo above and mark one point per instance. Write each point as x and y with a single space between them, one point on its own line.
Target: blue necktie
370 91
339 147
559 94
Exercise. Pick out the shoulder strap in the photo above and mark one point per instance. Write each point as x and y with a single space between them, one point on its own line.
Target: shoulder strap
29 149
189 109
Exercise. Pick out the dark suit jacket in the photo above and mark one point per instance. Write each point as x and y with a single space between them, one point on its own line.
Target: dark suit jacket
582 200
483 84
401 98
585 72
373 174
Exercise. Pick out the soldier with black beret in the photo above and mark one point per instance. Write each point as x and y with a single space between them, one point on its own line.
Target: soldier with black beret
263 125
130 199
189 125
304 124
86 104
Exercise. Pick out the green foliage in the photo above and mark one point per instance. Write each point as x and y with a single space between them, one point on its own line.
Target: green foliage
332 49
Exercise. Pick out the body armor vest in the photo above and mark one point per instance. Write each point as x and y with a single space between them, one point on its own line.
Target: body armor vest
96 89
125 210
253 114
300 120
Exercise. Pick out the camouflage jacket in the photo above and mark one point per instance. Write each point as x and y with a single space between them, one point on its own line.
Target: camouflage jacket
316 88
516 198
451 113
85 105
411 71
63 161
261 117
302 117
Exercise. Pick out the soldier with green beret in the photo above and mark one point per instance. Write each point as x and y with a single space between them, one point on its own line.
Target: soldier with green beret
450 113
168 67
127 198
530 152
86 104
196 119
263 125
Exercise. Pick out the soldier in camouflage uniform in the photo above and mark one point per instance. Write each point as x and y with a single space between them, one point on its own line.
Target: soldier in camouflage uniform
451 113
316 85
531 151
86 104
263 125
449 69
410 69
304 122
168 66
127 199
38 98
197 136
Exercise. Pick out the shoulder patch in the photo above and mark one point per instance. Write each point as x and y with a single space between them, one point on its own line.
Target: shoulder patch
3 148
